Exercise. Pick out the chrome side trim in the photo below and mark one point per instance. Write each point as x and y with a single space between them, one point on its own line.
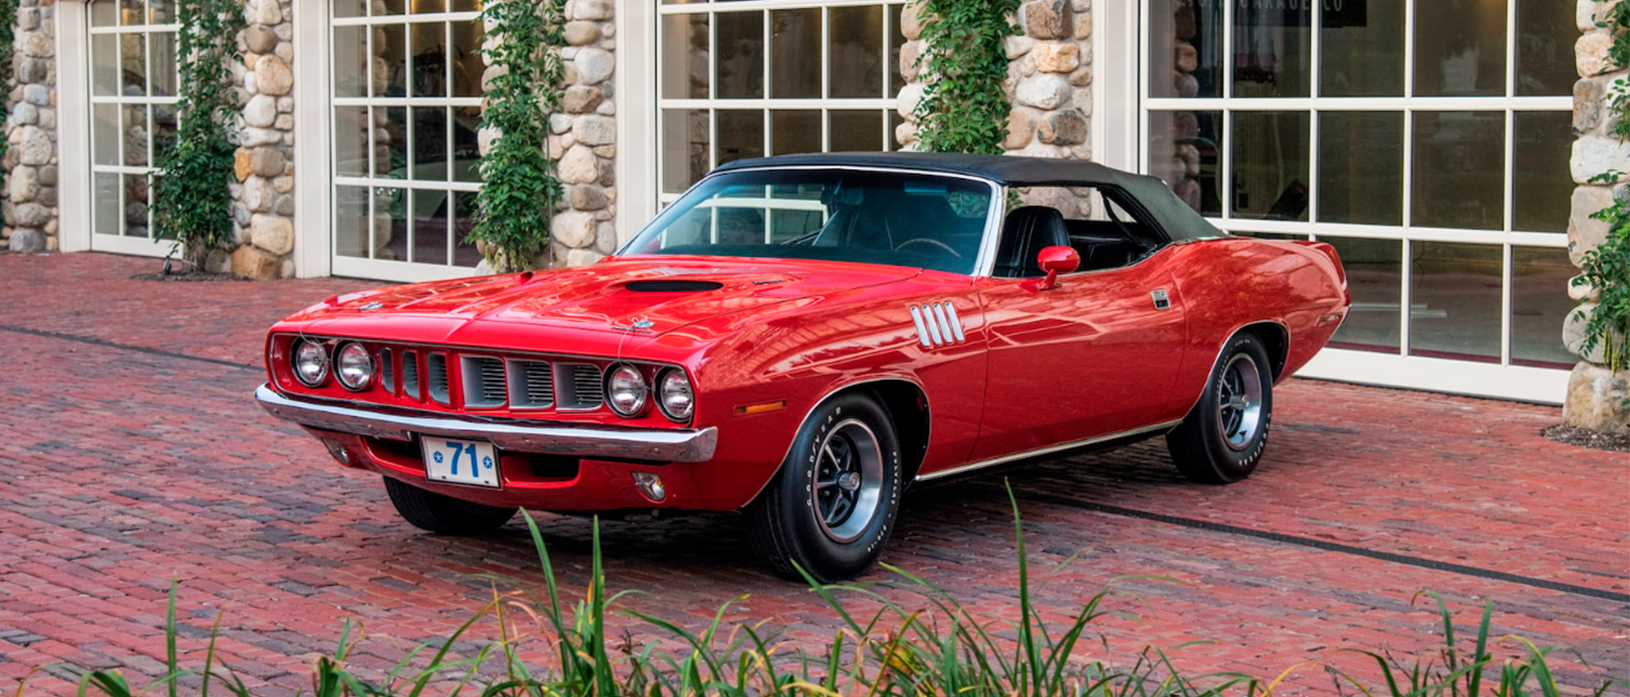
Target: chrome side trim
1045 451
530 436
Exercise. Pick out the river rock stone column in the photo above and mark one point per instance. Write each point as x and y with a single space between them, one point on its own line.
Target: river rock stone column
584 137
1596 396
29 198
263 196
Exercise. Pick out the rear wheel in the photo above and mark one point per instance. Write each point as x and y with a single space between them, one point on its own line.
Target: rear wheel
1222 439
832 506
445 515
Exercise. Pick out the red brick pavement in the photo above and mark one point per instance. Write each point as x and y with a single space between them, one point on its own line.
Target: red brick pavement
121 469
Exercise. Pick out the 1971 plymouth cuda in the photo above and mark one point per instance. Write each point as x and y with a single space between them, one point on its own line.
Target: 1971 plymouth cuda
805 336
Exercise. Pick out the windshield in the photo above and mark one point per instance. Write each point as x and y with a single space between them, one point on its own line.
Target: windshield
894 218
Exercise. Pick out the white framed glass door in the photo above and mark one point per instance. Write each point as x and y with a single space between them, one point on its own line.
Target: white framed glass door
132 51
1428 140
405 108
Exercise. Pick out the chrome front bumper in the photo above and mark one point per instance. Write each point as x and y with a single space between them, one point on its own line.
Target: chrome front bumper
678 445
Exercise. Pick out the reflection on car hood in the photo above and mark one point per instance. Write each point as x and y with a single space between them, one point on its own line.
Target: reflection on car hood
646 295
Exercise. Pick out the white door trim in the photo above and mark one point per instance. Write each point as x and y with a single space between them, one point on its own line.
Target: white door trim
313 233
1116 41
636 82
73 128
1538 385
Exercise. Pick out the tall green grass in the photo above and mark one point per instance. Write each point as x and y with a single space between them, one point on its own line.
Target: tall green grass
941 650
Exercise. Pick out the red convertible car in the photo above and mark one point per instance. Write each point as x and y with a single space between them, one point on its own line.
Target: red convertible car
804 337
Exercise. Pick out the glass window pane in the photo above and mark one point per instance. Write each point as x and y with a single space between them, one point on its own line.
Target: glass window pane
1271 165
429 227
107 204
390 142
469 63
350 8
464 251
794 132
428 6
164 129
895 120
388 7
1459 170
1375 278
351 221
429 59
685 148
739 70
855 52
466 6
896 40
1455 301
1362 49
133 65
856 131
1361 167
161 11
430 143
104 13
135 217
794 51
351 61
390 61
350 141
466 144
1185 151
792 224
1271 49
1539 306
741 134
104 63
133 122
163 64
105 134
390 223
1185 56
684 63
1460 48
1545 38
1542 182
132 12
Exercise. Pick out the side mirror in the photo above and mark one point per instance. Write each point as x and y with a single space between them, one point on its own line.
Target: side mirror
1056 260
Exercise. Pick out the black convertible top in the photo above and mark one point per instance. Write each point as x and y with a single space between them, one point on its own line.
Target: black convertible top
1179 221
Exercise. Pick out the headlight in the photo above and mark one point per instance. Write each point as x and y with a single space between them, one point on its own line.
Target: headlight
354 366
675 396
626 390
310 362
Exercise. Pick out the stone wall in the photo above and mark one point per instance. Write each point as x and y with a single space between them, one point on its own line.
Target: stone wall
29 199
584 137
263 197
1596 397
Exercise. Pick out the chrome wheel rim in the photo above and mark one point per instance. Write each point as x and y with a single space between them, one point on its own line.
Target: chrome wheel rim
848 480
1239 402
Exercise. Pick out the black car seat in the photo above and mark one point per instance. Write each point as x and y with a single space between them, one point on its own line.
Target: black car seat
1027 231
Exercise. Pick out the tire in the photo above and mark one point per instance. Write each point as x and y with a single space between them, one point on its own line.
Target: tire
444 515
1222 438
832 505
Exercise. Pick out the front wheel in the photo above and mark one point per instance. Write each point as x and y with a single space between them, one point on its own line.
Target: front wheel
1222 439
445 515
832 506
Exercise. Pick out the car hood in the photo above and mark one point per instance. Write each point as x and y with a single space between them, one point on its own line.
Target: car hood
640 295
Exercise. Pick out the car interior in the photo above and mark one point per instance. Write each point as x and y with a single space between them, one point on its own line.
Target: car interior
1100 229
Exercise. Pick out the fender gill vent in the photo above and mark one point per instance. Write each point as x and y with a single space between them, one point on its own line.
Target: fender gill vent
410 374
937 324
436 370
483 379
672 286
531 384
581 386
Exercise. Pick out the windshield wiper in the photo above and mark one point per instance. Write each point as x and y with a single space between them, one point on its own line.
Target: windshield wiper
804 237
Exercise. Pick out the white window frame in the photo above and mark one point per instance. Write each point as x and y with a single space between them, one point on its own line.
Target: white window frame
1500 379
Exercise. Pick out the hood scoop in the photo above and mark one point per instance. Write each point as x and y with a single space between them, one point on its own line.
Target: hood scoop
672 286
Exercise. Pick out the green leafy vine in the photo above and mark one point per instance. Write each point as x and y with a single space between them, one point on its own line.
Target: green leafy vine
964 108
520 189
8 41
1607 267
192 202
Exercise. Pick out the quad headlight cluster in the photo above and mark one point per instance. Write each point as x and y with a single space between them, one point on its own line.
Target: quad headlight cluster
628 392
352 365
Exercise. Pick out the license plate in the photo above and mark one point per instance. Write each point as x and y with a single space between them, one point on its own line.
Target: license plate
460 461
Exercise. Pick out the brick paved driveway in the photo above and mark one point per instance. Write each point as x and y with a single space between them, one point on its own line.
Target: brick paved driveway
131 453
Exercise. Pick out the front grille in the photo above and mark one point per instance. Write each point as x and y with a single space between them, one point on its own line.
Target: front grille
387 377
410 374
436 370
483 379
580 386
531 384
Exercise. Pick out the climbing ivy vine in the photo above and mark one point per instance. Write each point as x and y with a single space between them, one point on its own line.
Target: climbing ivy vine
192 202
520 189
964 108
1607 268
8 39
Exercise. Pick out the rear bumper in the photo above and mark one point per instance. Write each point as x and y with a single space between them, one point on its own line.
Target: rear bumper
678 445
